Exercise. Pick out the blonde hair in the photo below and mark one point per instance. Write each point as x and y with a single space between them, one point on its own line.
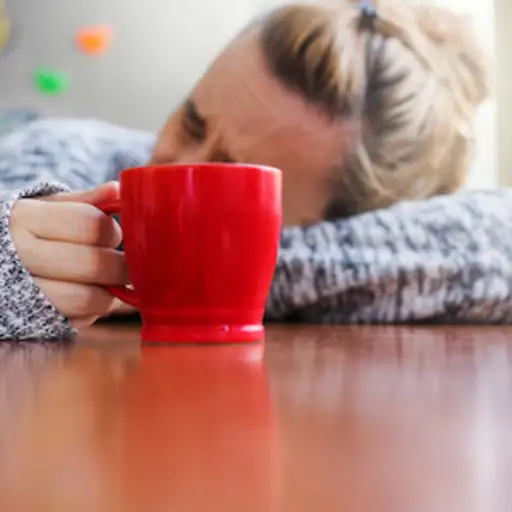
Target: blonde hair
411 80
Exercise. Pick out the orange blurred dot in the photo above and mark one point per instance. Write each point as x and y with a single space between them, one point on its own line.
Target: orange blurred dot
94 40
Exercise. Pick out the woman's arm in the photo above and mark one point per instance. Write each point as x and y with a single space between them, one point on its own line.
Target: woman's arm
43 158
448 259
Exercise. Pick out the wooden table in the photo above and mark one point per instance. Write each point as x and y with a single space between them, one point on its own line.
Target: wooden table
354 419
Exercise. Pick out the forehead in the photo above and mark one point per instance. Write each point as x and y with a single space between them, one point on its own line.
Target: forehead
258 117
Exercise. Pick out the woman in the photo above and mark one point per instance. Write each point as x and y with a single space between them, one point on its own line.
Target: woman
360 108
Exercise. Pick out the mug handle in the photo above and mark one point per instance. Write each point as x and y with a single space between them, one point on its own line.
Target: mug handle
121 292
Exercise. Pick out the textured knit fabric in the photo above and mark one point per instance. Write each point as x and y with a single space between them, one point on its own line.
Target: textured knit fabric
26 313
448 259
445 260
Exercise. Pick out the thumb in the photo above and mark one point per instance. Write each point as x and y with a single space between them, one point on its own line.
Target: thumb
106 192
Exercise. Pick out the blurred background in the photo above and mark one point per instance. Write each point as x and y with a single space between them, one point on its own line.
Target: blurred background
160 48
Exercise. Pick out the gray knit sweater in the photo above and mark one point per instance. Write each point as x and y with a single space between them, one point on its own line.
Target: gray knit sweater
448 259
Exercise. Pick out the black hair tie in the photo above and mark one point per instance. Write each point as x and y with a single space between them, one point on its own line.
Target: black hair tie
368 14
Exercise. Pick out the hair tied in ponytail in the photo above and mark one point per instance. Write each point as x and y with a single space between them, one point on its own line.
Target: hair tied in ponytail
369 14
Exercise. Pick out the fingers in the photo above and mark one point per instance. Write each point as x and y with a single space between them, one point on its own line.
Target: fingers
106 192
68 222
67 245
71 262
75 300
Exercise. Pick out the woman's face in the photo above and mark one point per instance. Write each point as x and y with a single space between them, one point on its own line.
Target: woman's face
238 112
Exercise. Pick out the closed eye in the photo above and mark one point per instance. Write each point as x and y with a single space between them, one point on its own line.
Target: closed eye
193 124
195 127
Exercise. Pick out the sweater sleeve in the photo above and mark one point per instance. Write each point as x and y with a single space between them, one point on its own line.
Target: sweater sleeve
25 312
447 259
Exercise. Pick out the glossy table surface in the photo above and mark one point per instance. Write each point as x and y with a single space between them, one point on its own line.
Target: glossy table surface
354 419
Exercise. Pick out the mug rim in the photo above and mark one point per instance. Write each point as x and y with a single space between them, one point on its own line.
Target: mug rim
153 168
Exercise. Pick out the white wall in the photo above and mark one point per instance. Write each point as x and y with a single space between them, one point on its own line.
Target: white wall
503 16
161 47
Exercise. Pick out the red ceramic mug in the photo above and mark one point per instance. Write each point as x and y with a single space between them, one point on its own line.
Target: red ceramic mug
201 243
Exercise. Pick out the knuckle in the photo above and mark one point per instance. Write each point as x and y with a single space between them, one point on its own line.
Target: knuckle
101 229
106 267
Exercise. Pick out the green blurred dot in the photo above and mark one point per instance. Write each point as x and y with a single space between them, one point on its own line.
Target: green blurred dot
52 82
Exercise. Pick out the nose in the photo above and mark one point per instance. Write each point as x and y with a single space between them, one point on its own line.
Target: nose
191 157
200 154
209 150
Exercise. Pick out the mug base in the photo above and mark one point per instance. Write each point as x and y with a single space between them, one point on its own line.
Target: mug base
202 334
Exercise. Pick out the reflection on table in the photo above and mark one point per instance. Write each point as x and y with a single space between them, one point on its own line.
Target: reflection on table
321 418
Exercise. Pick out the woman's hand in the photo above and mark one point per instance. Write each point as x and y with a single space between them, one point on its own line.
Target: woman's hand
68 245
